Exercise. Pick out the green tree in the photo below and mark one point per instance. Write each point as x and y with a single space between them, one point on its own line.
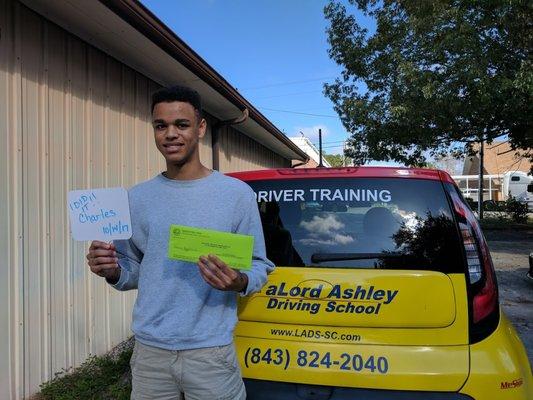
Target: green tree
335 160
435 76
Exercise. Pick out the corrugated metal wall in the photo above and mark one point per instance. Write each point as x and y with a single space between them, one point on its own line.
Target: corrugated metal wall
71 117
241 153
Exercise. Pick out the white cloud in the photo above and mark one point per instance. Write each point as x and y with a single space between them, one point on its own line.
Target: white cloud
343 239
324 231
312 132
324 226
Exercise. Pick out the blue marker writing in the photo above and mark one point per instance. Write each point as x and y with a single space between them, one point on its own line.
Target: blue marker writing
118 227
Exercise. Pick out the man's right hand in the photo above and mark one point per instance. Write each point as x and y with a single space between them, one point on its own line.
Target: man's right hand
102 259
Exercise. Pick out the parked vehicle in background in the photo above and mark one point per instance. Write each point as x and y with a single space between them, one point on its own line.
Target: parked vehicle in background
384 288
520 186
498 188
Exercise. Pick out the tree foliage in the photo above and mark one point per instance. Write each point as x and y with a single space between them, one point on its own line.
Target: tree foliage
335 160
433 78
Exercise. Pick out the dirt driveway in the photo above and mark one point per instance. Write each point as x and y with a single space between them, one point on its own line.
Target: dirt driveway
510 251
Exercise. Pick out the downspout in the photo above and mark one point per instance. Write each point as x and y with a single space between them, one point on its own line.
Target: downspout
215 143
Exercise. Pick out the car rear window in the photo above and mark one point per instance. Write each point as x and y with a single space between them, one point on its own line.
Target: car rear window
359 223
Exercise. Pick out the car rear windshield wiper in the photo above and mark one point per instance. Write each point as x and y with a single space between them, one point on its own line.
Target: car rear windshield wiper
321 257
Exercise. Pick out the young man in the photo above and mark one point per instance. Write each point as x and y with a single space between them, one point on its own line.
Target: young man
185 314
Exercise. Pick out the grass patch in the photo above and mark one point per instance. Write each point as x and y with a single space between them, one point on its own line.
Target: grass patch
496 223
97 378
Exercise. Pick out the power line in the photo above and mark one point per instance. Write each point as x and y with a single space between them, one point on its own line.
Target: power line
336 141
300 113
306 109
289 83
333 147
288 94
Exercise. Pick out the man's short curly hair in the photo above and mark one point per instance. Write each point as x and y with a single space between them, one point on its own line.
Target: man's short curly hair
178 93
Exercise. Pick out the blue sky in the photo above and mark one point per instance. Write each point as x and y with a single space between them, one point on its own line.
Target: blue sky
273 51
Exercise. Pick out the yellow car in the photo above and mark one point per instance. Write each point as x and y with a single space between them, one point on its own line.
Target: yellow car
384 289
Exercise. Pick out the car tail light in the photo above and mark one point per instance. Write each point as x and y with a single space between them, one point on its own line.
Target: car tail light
482 278
485 301
472 256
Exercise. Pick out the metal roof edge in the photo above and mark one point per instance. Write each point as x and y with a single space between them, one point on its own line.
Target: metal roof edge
148 24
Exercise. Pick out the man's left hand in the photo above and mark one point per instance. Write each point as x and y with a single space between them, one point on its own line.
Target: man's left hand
217 274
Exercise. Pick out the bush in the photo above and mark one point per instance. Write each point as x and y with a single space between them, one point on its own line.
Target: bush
517 209
493 205
97 378
471 203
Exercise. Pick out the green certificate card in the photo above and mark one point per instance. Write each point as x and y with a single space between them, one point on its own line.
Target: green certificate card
188 244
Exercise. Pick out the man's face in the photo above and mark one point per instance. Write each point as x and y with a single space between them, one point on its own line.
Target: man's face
177 131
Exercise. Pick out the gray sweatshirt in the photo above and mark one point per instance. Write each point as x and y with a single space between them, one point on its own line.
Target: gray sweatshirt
175 308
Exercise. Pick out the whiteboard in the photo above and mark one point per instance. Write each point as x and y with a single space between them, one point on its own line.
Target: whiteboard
99 214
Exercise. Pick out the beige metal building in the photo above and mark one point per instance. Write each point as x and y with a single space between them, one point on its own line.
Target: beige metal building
75 84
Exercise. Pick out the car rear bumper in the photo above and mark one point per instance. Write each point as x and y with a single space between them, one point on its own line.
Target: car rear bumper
499 369
268 390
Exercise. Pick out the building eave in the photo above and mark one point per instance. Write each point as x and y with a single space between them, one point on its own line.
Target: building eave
132 34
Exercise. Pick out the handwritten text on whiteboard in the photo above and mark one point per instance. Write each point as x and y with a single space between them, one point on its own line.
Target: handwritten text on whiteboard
99 214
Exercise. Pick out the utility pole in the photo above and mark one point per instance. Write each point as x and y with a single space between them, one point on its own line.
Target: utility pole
480 182
320 164
343 154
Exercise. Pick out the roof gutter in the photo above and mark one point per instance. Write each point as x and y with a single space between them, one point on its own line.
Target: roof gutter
143 20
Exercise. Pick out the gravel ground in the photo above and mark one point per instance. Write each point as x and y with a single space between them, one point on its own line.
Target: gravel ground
510 251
